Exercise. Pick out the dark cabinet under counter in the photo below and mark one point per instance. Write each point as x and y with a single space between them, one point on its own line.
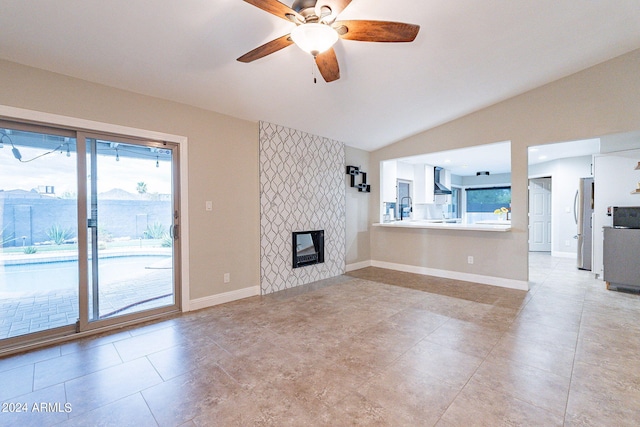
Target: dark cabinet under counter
622 259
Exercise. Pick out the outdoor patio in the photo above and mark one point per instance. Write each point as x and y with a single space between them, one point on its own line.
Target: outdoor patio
38 311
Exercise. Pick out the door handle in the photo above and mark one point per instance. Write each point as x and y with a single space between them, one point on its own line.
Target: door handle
176 229
575 206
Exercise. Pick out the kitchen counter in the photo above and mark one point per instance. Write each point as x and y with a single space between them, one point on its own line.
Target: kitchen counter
444 225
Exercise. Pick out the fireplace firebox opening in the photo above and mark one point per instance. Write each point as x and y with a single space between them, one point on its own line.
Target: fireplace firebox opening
308 248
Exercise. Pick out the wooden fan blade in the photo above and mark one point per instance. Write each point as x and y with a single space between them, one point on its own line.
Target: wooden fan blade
328 65
336 6
267 49
376 31
276 8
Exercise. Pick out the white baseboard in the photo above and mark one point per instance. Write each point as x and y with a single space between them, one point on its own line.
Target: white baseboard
358 265
456 275
564 254
210 301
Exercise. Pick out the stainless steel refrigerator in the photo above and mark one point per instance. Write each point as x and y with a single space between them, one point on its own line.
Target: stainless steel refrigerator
583 213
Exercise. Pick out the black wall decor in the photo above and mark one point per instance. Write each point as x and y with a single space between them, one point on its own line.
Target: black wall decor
363 187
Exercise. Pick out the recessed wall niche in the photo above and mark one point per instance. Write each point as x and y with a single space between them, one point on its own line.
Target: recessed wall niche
301 188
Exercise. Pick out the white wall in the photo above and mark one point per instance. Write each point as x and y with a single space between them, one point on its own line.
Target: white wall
565 175
616 178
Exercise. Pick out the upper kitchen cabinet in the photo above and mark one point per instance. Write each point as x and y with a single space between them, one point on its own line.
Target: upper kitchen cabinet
425 184
389 174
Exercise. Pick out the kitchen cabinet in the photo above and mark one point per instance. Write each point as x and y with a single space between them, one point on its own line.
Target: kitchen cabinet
420 184
621 250
424 185
428 184
389 177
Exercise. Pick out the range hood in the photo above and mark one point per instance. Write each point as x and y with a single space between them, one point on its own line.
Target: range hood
438 187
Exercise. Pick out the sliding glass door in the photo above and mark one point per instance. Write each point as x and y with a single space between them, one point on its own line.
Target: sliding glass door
38 230
132 228
89 231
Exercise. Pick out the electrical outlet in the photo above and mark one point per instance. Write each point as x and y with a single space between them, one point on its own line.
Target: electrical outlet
470 259
567 242
227 277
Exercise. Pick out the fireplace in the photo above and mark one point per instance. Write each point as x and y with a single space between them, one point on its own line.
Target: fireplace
308 248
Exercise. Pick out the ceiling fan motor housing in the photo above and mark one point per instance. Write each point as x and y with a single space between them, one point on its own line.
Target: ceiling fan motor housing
307 9
301 5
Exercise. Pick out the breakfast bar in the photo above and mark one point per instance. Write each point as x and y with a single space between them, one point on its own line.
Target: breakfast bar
495 226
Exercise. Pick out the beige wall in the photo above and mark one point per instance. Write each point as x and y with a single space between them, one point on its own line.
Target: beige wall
223 165
601 100
357 208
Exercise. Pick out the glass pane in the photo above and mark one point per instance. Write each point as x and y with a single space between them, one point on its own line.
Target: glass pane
404 199
454 207
130 204
38 232
488 199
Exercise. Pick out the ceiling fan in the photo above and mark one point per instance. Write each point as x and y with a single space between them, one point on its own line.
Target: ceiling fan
317 30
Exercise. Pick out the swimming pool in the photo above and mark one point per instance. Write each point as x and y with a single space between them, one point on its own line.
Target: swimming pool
63 275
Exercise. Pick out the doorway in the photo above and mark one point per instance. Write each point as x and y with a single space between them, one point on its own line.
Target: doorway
540 214
90 231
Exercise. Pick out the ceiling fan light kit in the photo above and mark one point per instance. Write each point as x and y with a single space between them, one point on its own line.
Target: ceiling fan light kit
317 31
314 38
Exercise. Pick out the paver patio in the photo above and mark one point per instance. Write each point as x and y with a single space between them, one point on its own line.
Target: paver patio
38 311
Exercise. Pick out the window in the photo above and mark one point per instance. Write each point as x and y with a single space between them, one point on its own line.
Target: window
488 199
403 199
456 205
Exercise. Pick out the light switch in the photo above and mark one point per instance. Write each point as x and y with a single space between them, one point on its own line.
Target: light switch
208 205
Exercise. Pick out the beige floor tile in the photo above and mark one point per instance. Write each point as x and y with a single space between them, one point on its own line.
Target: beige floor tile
128 411
187 396
481 406
410 397
537 387
600 396
531 353
32 416
16 382
466 337
108 385
144 344
74 365
544 335
448 365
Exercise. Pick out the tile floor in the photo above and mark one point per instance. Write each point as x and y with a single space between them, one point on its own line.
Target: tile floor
375 347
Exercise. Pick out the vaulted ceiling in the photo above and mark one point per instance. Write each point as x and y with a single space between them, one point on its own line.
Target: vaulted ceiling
468 54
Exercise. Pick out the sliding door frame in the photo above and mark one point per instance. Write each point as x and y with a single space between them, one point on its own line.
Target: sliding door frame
83 128
83 232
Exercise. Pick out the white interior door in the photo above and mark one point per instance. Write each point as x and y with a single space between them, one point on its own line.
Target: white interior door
540 215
